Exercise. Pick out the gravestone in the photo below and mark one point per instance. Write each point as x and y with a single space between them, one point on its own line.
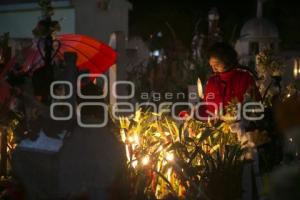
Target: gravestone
74 162
88 162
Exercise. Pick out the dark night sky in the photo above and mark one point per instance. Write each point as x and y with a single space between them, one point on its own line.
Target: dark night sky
150 16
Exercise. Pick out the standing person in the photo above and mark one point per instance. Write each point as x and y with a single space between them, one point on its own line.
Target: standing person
228 82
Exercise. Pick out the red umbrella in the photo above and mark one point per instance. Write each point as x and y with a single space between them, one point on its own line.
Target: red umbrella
92 55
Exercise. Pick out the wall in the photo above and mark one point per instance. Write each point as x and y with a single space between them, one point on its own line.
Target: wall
20 19
100 24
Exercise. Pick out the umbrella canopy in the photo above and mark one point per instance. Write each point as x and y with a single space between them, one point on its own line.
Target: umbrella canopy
92 55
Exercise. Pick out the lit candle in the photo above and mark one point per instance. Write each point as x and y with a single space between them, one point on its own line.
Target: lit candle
123 135
130 139
134 163
296 70
200 89
145 160
169 156
127 152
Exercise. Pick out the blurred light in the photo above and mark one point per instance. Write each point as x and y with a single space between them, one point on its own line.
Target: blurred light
167 133
136 139
127 152
156 53
170 156
160 59
145 160
130 139
296 69
134 163
160 148
123 135
157 134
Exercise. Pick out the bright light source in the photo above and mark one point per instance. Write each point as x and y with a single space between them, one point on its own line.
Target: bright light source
157 134
160 148
145 160
169 156
123 135
156 53
167 133
296 69
130 139
127 152
134 163
136 139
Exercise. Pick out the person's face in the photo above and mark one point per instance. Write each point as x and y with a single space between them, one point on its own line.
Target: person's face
216 65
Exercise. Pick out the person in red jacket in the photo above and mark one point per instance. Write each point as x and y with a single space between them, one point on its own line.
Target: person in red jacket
228 82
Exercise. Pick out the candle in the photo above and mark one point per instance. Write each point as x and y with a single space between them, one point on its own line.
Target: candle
200 89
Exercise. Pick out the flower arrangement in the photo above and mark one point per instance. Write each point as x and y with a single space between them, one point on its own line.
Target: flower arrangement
168 159
269 63
269 68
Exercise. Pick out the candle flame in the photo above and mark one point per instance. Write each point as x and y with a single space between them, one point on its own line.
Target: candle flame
170 156
134 163
145 160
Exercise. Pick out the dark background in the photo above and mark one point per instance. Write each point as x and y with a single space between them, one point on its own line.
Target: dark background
149 17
